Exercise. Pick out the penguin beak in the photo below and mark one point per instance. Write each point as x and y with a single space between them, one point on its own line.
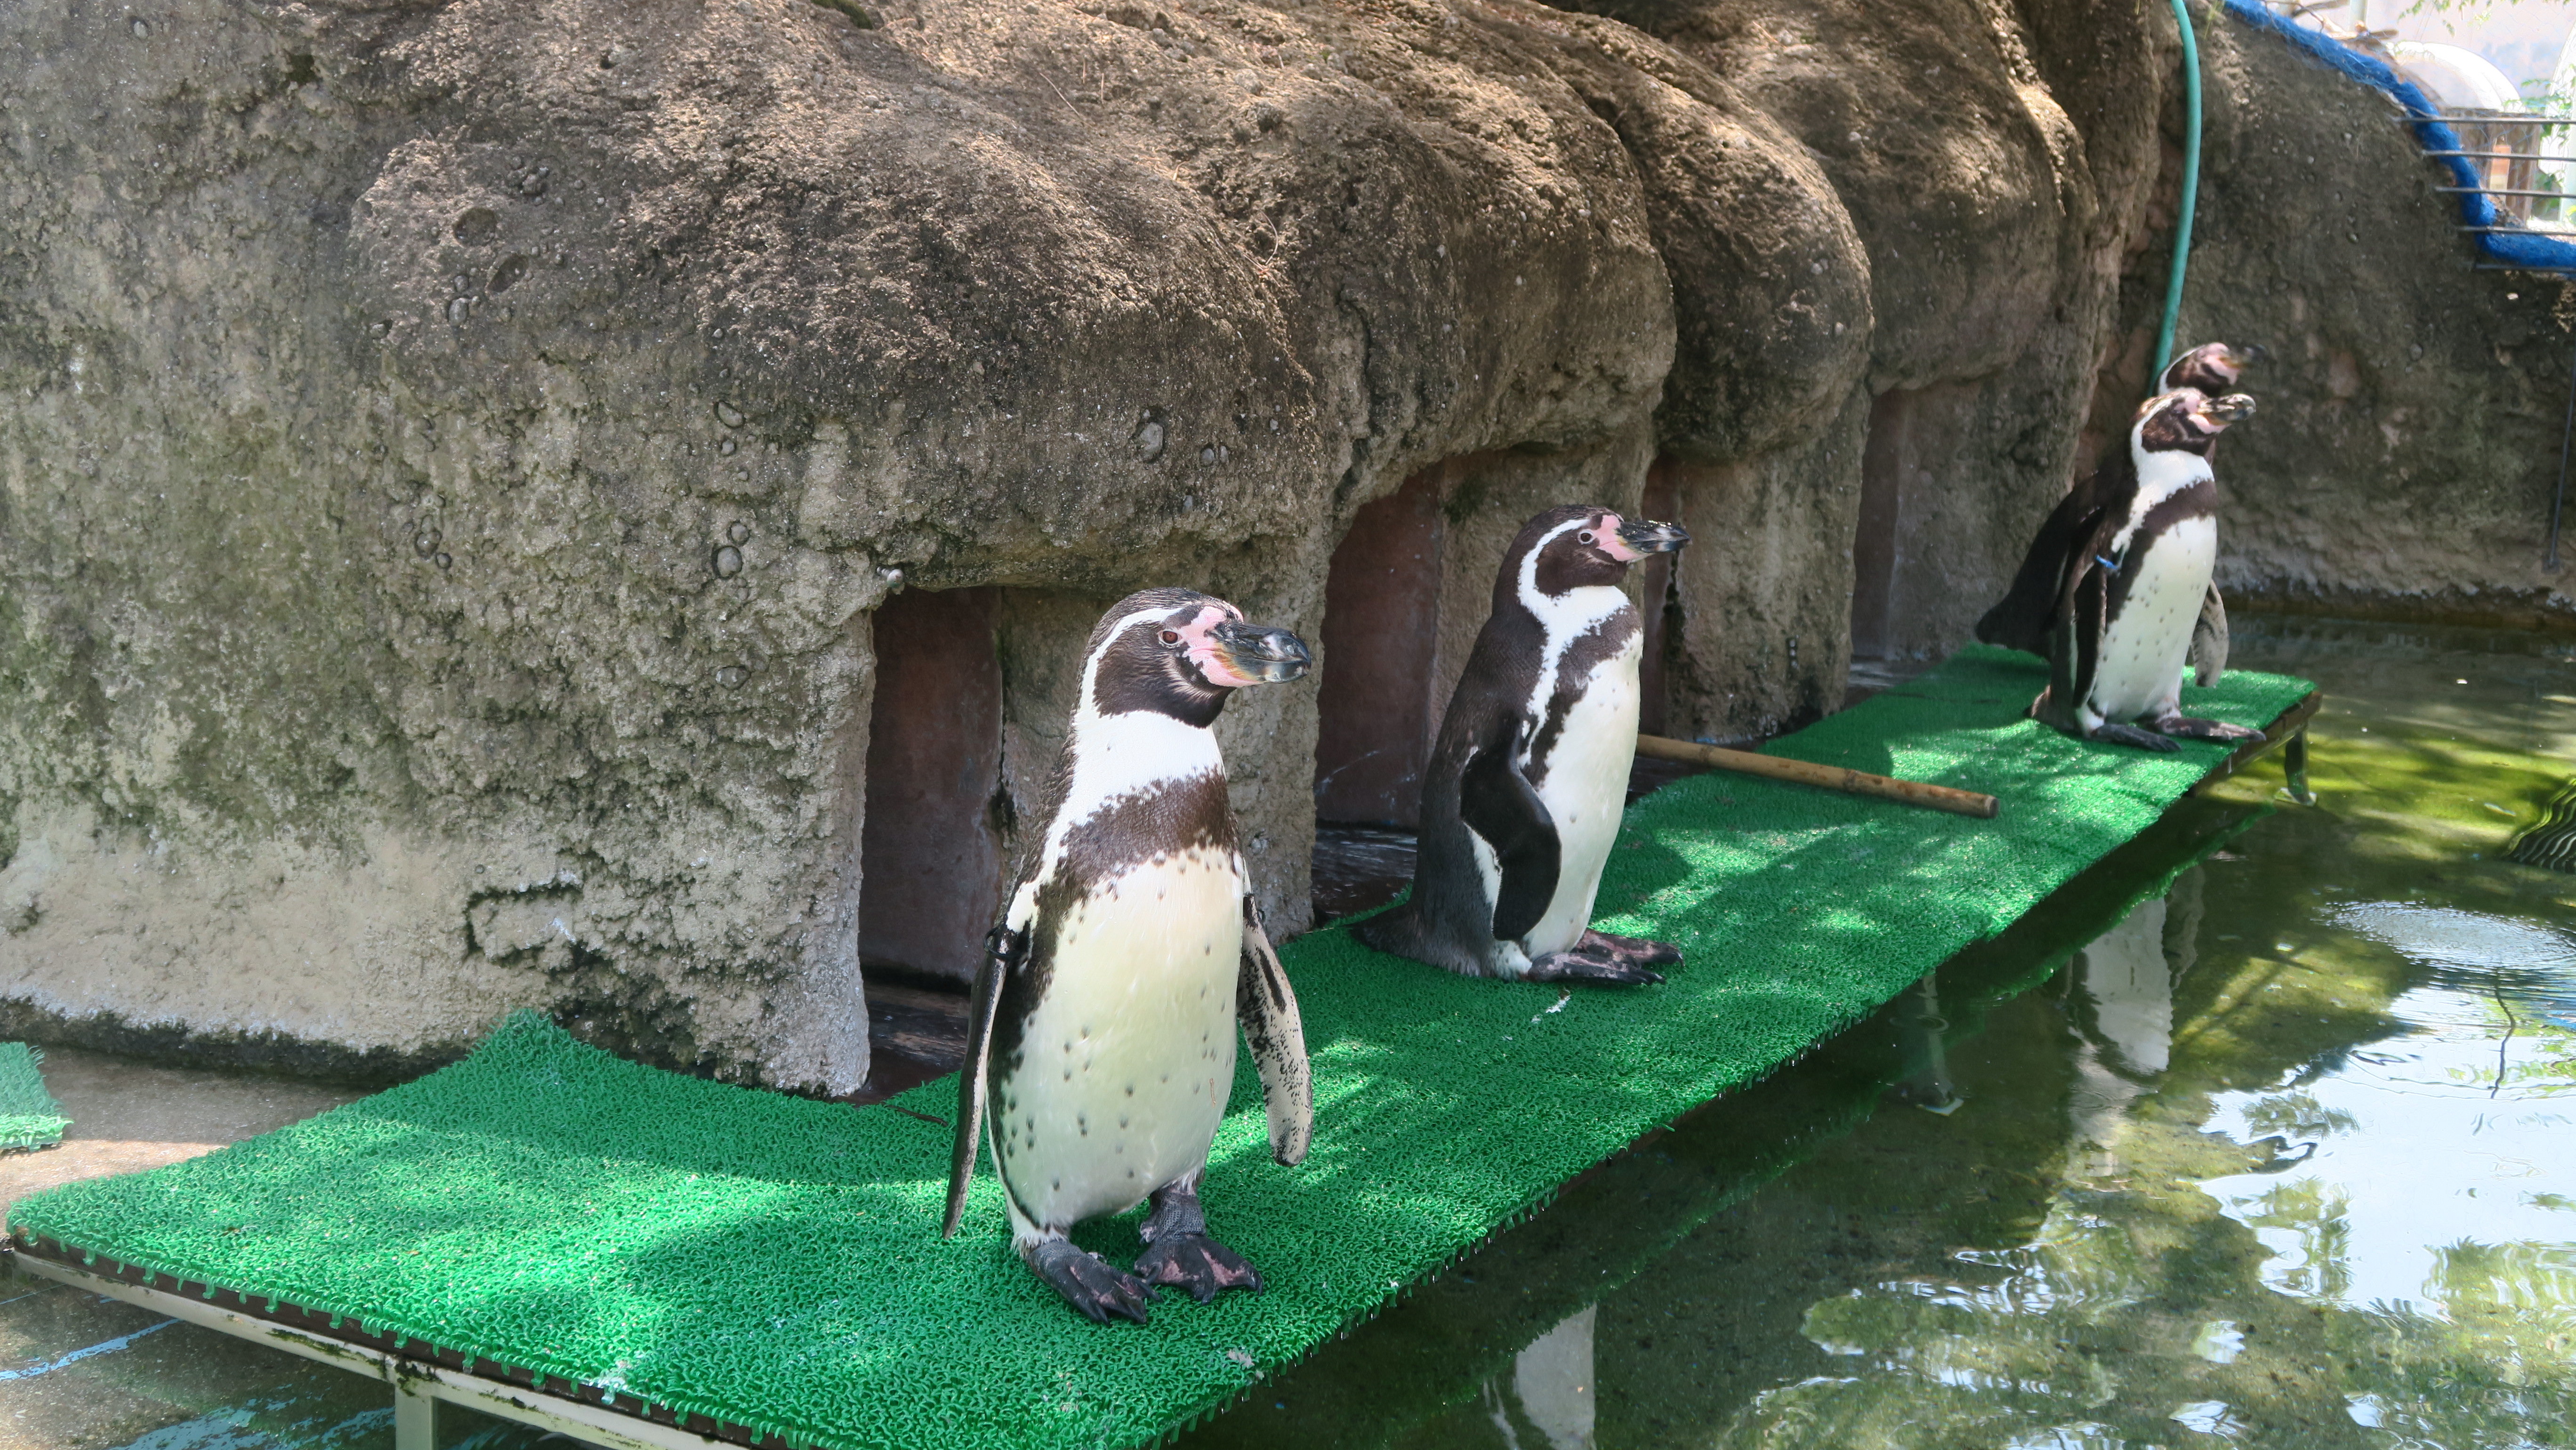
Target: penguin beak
1645 536
2217 413
1239 654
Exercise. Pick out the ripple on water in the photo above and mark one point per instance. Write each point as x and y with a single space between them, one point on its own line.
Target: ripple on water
2431 1171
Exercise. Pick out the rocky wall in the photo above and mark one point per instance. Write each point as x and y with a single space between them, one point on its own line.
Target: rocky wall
455 451
2413 409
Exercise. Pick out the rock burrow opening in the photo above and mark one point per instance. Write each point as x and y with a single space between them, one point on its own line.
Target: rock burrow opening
931 847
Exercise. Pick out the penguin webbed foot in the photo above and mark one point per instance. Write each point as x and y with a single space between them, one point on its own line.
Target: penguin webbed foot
2192 727
2143 739
1179 1252
1096 1288
1634 949
1581 964
1197 1263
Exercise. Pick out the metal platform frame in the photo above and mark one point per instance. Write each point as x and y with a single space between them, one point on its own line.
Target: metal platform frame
419 1386
2288 733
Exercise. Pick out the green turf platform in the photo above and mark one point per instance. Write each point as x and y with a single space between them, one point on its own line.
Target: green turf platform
29 1116
774 1263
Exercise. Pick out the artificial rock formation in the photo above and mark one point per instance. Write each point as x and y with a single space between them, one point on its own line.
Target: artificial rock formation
2414 408
478 472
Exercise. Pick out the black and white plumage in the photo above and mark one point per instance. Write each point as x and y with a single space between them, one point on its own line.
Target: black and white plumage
1101 1035
2131 595
1522 799
2028 610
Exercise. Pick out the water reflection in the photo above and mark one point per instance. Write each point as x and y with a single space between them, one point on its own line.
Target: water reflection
1546 1402
2435 1170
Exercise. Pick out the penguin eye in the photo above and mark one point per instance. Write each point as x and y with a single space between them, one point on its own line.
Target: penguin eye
1171 636
1583 538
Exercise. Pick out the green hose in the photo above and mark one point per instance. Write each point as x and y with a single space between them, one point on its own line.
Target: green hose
2190 186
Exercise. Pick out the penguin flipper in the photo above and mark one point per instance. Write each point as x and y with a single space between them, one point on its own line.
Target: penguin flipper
2021 619
1267 1008
2074 637
1008 948
2208 656
1500 805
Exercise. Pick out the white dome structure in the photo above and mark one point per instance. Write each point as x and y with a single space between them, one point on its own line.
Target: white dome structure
2456 79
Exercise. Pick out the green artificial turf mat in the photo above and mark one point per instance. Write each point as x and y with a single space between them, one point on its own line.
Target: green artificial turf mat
776 1263
29 1116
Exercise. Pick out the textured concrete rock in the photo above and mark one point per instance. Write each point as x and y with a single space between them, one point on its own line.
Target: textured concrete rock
455 451
2408 445
1992 166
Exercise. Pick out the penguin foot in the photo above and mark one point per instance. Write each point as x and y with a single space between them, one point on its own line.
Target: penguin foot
2130 735
1197 1263
1179 1252
1094 1287
1579 964
1636 950
2191 727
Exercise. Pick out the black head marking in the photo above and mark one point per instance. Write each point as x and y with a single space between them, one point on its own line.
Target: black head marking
1180 653
2187 420
1579 545
2212 367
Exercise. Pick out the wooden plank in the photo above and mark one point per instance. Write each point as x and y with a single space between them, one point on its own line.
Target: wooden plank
1827 777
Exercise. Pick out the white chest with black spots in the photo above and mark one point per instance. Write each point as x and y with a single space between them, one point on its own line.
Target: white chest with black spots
1585 786
2138 672
1127 1058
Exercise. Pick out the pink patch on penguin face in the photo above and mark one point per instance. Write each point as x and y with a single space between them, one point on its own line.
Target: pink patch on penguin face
1206 651
1605 537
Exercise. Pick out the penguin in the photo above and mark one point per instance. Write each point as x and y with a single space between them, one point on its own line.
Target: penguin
1101 1033
2022 619
1522 797
2128 603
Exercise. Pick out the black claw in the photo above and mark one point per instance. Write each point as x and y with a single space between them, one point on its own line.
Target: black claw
1094 1287
1197 1263
1598 969
2132 735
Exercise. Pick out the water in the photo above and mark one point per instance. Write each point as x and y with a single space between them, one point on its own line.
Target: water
2257 1134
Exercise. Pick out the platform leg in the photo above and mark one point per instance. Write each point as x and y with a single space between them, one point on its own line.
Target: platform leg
415 1419
2294 767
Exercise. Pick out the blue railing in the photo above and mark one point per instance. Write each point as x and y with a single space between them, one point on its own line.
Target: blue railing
2505 243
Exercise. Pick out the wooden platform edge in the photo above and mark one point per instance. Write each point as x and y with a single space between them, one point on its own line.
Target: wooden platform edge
2288 733
419 1384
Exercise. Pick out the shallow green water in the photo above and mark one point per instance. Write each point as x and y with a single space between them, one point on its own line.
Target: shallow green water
2282 1154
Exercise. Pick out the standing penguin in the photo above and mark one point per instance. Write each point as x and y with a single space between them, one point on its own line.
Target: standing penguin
1522 798
2131 594
2022 619
1101 1032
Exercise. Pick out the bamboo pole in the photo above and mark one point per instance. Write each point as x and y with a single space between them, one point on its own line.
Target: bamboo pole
1830 777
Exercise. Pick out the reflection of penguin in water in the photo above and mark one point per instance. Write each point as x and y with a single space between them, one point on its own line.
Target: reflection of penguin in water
1102 1029
2023 618
1522 798
2134 583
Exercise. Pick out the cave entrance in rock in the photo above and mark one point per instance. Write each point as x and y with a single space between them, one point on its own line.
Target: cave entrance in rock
931 850
1377 703
1658 594
1876 548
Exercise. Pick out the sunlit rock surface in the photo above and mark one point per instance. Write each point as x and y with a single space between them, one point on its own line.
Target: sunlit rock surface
455 452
